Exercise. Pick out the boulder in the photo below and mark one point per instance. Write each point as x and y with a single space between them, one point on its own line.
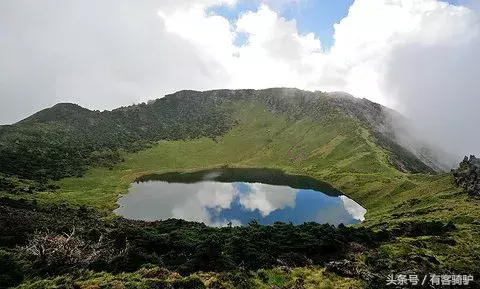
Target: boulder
467 176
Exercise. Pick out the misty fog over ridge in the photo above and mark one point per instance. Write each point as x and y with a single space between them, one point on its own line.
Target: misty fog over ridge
423 62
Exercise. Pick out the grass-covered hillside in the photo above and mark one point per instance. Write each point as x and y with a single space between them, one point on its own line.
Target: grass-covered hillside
65 167
66 138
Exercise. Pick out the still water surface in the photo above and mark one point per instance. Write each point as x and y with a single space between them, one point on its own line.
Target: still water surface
218 197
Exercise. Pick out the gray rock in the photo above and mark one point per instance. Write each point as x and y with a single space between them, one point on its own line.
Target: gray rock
467 176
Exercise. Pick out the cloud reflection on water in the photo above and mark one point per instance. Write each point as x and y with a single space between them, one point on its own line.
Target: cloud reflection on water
267 198
217 204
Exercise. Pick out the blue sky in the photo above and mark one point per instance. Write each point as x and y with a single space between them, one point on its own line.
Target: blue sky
317 16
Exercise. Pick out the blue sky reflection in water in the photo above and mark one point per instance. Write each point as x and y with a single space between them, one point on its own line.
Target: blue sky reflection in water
217 203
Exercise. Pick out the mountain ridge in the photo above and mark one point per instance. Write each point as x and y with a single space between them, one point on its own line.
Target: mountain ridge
86 160
237 93
65 129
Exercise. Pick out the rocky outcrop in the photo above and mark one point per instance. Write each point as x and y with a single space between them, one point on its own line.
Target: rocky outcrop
467 176
349 269
344 268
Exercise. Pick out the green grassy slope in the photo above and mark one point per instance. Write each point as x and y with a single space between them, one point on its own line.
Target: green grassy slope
335 146
336 149
65 139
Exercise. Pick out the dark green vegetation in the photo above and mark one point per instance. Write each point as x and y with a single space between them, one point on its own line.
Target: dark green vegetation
248 175
72 239
64 140
417 220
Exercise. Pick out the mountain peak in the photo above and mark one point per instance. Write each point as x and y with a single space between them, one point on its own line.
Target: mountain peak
59 112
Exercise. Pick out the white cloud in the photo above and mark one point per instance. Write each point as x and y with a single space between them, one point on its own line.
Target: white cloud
412 55
176 5
212 34
365 39
275 53
192 202
354 209
215 195
100 55
202 201
267 198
